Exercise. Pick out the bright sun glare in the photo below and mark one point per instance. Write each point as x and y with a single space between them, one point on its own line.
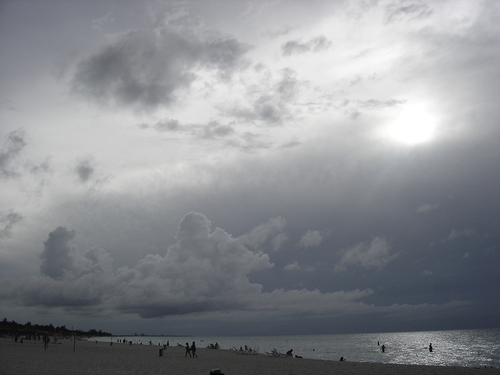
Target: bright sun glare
413 125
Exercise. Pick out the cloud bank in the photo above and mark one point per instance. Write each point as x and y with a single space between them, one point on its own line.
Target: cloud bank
205 271
146 69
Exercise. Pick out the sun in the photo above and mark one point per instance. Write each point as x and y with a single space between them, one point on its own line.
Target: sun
413 125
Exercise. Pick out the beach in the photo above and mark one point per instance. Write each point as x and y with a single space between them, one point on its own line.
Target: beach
89 357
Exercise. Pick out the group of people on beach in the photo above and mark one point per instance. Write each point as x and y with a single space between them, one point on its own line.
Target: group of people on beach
191 350
213 346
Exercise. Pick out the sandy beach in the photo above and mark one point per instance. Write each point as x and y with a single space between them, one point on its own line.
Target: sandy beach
89 357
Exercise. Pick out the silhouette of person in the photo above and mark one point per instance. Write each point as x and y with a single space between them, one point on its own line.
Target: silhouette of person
188 351
193 350
383 348
430 347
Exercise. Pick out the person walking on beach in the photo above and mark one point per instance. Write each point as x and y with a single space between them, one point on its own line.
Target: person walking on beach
188 350
193 349
46 341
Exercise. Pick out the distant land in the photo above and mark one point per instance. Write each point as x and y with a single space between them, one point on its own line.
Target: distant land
143 334
11 327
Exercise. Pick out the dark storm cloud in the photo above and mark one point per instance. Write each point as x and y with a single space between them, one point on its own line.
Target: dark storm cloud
8 221
204 271
317 44
84 170
69 279
58 255
62 261
396 231
13 145
147 69
76 295
135 70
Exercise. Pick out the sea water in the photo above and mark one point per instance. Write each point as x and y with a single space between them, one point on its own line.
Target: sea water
466 348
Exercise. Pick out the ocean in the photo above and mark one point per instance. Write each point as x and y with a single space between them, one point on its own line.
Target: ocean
466 348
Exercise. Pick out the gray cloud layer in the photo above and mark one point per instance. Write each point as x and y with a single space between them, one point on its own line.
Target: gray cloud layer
147 69
204 271
13 146
283 122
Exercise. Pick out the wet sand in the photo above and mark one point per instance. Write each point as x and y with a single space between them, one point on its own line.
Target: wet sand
89 357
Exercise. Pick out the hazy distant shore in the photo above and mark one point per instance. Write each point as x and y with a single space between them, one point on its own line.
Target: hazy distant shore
89 357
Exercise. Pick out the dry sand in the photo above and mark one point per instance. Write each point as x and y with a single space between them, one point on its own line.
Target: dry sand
102 358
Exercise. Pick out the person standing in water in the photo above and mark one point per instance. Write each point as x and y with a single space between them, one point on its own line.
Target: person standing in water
430 347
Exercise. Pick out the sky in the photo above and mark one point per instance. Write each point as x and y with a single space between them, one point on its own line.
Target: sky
250 167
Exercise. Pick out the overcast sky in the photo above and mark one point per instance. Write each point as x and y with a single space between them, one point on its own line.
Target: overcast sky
250 167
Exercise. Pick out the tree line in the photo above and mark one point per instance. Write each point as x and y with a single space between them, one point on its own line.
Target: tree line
12 327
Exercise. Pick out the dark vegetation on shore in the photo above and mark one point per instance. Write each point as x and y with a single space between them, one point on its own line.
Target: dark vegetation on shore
14 328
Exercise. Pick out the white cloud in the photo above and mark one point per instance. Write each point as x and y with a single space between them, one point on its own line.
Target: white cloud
271 230
292 266
374 254
311 239
279 241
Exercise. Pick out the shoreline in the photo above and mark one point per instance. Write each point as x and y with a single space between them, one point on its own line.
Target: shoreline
98 358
